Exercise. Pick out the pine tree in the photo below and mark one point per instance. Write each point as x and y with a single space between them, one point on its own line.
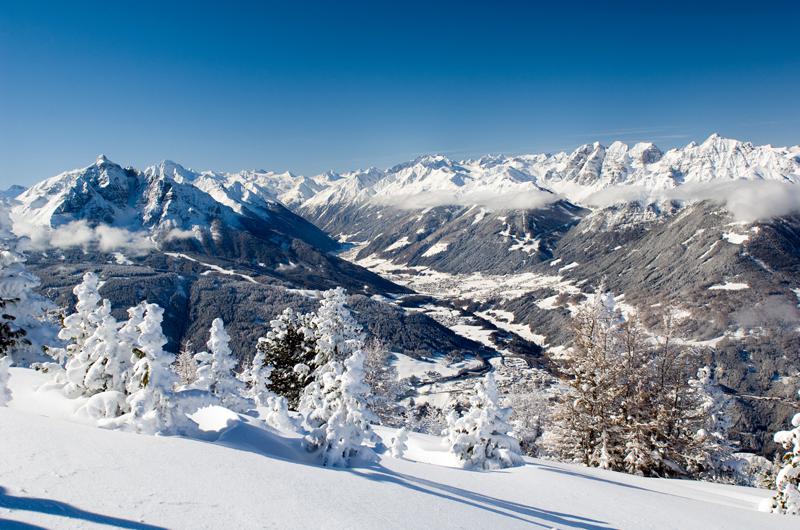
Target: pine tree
5 392
338 334
79 326
480 438
587 417
399 446
712 452
289 348
258 381
787 483
387 390
343 400
151 399
215 372
25 326
81 358
334 404
186 366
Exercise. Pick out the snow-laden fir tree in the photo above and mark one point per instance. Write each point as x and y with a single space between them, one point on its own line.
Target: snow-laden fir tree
186 366
387 389
399 443
344 400
787 483
586 421
289 348
150 387
258 380
101 329
25 327
713 451
77 327
338 334
215 371
5 392
480 438
109 363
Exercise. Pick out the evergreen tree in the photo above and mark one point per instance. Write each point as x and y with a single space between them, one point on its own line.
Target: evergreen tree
215 372
25 326
387 390
89 338
340 422
79 326
289 348
186 366
787 483
151 399
587 418
338 334
108 364
631 401
713 451
480 438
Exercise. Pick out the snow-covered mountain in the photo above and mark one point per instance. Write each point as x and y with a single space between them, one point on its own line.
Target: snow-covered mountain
201 245
503 246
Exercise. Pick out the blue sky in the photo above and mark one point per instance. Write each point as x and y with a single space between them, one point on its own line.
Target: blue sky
307 86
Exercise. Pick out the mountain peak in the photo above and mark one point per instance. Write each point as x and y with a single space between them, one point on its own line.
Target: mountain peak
102 159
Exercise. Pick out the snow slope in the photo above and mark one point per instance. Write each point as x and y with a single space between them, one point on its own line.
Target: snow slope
58 473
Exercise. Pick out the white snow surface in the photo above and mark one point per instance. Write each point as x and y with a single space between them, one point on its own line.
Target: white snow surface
729 286
60 473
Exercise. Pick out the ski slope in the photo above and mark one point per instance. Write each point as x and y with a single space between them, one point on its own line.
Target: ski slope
56 471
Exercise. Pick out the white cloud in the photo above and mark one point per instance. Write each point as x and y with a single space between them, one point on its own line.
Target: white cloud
495 200
746 200
80 234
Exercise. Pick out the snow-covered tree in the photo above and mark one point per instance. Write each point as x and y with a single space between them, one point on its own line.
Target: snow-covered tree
25 326
289 348
387 389
109 364
337 412
338 334
480 438
586 419
5 392
151 399
100 328
79 326
186 366
215 372
787 483
399 443
258 381
632 402
713 451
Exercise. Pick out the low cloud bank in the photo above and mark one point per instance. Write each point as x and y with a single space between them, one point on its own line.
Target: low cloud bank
746 200
501 200
80 234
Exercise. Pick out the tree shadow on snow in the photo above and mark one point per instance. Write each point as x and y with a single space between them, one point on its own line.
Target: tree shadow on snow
514 510
61 509
554 469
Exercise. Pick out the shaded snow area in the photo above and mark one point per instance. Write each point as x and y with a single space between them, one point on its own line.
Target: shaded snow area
59 473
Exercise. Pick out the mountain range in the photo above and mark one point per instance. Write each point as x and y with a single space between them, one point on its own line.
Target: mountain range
488 256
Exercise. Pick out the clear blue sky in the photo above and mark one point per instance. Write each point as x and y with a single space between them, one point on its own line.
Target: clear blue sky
307 86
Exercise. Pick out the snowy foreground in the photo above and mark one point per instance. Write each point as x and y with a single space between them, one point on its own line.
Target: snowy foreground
56 471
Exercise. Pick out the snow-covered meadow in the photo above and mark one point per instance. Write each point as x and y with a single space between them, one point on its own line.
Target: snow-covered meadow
59 471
